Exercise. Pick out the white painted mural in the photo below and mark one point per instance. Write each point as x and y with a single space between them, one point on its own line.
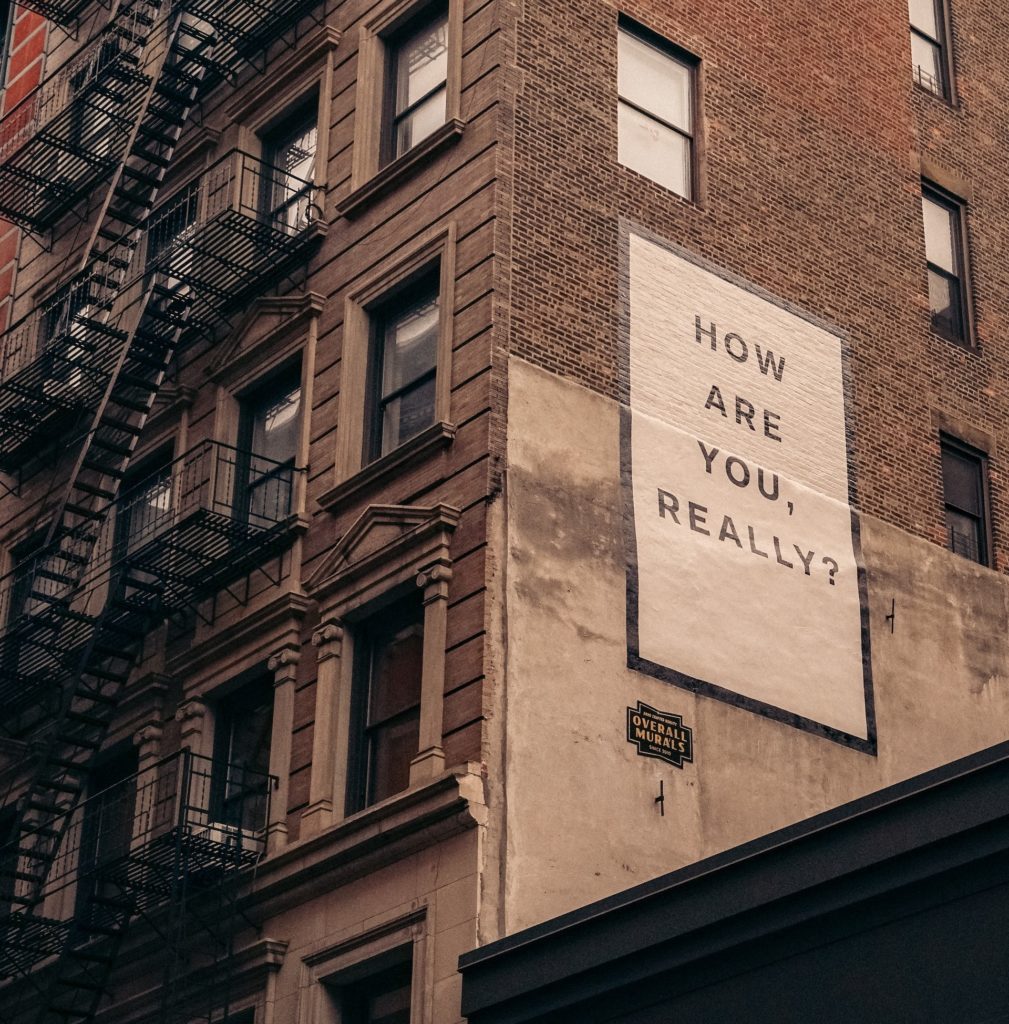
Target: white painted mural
743 577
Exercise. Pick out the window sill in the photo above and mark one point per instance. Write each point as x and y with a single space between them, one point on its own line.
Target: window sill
439 435
392 174
447 805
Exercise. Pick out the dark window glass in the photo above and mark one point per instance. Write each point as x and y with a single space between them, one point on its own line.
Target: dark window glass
418 84
268 445
945 261
928 45
404 368
389 654
145 509
243 726
171 226
382 996
289 171
106 831
655 115
963 484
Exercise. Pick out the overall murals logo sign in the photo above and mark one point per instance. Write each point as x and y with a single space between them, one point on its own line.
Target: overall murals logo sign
744 580
659 734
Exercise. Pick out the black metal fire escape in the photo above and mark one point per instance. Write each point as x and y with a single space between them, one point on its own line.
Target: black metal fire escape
95 356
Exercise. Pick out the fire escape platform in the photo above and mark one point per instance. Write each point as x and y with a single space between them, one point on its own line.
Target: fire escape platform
47 384
233 255
48 164
249 26
201 554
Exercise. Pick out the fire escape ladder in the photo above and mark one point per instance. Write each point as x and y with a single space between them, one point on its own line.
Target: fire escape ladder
70 609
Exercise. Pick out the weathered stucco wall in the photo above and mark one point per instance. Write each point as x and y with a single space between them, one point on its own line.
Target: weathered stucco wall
581 817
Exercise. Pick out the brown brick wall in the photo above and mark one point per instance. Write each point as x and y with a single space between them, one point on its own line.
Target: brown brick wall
813 135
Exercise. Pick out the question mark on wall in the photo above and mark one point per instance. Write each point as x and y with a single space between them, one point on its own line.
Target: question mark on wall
832 569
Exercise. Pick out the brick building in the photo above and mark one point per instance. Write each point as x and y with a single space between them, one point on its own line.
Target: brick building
461 459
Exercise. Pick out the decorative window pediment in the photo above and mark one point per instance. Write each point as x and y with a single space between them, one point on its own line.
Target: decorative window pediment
385 539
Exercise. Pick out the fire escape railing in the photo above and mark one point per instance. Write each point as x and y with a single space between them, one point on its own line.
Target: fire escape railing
183 821
237 227
72 131
179 535
233 229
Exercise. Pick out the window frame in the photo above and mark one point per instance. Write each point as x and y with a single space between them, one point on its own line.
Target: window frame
8 15
361 743
326 971
371 173
434 258
962 450
286 378
382 317
392 44
956 206
692 63
261 687
942 45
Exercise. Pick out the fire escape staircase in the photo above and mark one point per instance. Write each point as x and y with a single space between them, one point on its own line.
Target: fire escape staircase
101 347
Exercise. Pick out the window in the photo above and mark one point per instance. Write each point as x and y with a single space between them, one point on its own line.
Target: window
655 112
146 505
144 511
170 226
243 726
929 57
269 425
289 171
378 990
404 361
416 84
396 371
106 832
945 257
67 335
409 77
388 662
964 485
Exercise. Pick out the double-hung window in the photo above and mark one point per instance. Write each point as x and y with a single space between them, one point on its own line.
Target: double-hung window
964 486
655 111
929 52
289 174
944 255
267 448
388 665
416 84
404 362
243 728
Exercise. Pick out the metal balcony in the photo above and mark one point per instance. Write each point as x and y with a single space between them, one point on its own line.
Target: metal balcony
242 29
240 225
72 132
186 822
55 363
175 537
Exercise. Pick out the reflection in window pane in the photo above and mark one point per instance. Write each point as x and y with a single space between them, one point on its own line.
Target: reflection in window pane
939 234
650 148
926 64
944 301
421 63
421 122
408 415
